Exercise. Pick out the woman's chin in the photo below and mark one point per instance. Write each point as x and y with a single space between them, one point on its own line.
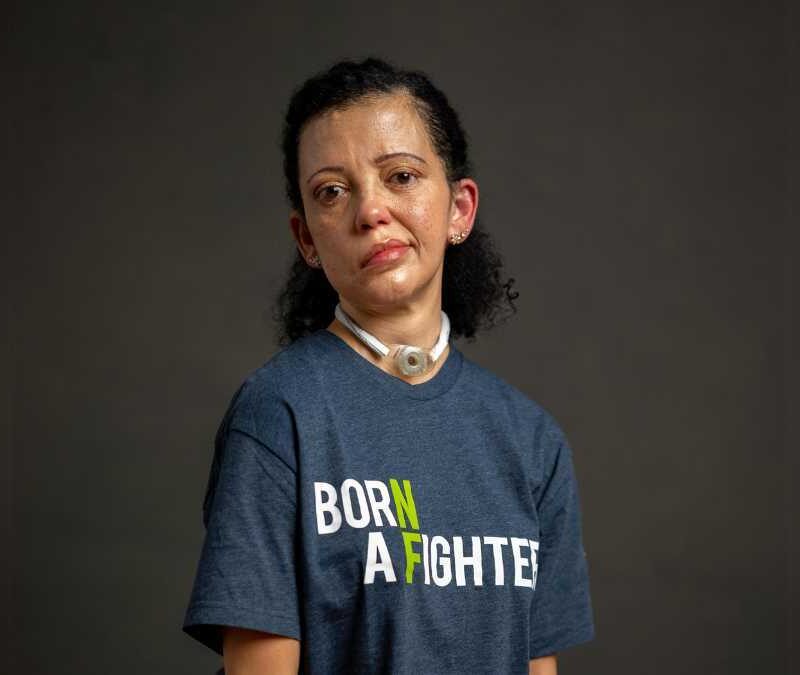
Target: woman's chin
398 286
382 297
397 281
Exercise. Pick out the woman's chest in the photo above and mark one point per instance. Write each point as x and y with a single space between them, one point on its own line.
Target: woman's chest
417 508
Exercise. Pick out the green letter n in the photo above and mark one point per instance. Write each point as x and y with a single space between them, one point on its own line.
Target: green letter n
404 503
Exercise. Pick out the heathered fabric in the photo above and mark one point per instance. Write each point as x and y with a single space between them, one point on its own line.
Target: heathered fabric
391 528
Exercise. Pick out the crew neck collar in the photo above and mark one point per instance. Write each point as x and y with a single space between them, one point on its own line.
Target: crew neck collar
444 378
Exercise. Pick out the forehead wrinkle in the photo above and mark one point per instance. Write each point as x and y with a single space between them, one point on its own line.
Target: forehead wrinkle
376 126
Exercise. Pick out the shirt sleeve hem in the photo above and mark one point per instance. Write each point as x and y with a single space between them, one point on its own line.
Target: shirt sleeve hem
574 638
204 622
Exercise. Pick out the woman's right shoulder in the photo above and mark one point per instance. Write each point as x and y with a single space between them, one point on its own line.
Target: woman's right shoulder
282 373
263 399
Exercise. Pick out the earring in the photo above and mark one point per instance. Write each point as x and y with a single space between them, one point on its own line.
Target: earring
457 238
314 260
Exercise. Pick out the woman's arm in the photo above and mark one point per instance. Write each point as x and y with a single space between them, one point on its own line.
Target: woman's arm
251 652
546 665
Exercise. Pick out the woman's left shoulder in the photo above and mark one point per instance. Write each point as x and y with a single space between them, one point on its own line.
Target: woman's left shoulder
497 390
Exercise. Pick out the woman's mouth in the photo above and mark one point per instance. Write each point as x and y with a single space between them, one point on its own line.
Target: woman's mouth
387 255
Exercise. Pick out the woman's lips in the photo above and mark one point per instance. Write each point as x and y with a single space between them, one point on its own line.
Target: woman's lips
387 255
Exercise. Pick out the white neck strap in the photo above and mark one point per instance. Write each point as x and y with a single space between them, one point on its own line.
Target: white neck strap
403 353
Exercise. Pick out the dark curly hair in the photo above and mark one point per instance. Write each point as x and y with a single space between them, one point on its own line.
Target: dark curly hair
473 294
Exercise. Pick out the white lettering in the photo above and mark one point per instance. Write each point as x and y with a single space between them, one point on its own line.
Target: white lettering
376 548
327 506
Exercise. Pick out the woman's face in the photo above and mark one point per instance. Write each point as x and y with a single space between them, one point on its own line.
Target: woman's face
369 174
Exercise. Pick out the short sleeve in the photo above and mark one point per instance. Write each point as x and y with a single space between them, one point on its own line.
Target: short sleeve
561 614
246 575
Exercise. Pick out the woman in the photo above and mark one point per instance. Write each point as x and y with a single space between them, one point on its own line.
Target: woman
378 503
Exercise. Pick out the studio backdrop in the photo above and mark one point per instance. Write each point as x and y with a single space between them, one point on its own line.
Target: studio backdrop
633 165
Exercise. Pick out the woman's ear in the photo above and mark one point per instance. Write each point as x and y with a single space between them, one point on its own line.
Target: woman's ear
301 234
464 208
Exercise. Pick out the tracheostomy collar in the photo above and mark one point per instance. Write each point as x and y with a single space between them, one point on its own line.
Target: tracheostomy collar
409 359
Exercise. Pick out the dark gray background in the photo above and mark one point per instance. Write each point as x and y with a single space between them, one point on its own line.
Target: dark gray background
634 166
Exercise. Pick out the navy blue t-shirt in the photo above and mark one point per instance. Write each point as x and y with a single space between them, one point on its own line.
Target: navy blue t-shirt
391 527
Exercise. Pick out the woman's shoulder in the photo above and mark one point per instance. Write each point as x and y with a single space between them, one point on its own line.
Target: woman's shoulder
282 373
260 408
261 404
534 423
526 407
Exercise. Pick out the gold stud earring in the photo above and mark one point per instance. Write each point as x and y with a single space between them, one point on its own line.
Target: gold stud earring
314 260
457 238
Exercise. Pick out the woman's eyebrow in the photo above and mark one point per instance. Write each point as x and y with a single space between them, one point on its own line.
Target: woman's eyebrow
377 160
390 155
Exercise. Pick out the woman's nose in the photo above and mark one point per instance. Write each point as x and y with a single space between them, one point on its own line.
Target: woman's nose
372 210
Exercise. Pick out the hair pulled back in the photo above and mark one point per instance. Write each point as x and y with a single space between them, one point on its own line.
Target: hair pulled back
473 294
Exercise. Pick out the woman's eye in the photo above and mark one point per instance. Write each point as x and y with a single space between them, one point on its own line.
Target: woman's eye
404 177
330 192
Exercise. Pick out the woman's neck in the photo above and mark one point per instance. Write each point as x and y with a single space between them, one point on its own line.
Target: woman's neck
418 327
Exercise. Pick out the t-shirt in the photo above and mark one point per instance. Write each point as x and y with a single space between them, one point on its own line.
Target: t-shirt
432 528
